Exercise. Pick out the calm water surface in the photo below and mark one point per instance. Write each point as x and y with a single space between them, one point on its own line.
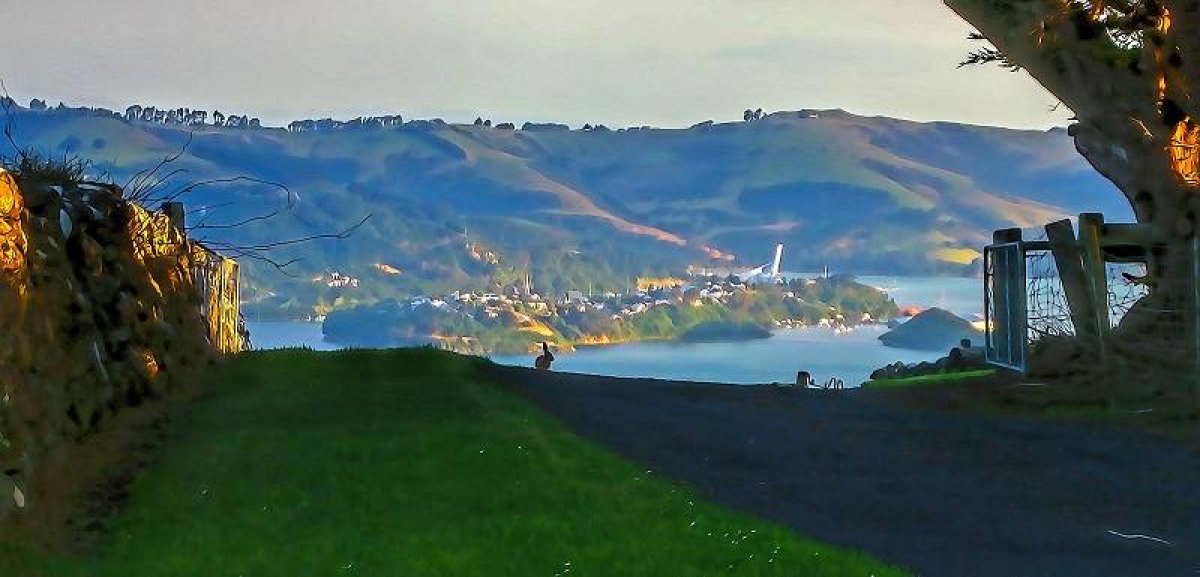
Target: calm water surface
961 296
850 357
285 334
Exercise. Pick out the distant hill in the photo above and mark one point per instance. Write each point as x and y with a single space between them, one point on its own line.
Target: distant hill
460 206
933 330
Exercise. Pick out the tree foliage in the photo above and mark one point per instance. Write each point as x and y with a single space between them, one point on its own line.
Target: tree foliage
1128 70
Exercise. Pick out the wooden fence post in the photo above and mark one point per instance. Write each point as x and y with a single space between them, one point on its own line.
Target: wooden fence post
176 216
1090 226
1078 290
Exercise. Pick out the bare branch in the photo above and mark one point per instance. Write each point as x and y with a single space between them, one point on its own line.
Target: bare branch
291 197
344 234
243 222
136 189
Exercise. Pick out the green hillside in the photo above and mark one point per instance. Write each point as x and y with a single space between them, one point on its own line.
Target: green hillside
463 207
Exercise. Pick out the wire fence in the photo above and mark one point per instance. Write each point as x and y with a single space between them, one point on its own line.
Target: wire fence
1049 315
1125 289
1142 332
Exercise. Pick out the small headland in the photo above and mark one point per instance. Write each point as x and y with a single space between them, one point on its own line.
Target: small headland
717 331
932 330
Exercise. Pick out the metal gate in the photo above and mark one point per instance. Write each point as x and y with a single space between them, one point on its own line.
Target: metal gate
1006 324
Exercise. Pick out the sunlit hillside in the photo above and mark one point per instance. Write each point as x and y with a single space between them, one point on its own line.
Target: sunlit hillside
459 207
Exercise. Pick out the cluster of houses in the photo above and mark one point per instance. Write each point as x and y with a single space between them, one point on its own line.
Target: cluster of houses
336 280
521 304
492 305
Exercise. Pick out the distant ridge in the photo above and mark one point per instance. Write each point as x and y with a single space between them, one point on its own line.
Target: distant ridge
573 207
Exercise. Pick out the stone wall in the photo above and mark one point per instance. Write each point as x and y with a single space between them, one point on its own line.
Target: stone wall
99 311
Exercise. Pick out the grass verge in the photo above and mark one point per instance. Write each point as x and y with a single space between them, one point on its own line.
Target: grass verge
405 463
940 378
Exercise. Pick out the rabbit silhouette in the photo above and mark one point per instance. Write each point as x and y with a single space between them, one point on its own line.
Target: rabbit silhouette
542 363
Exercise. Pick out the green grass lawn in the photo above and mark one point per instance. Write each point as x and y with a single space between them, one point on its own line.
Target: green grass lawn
939 378
405 463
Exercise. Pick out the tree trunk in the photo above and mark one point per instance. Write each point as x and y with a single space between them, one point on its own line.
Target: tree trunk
1136 124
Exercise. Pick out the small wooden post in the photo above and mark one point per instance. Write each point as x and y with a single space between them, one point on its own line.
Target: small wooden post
1006 235
175 215
1069 262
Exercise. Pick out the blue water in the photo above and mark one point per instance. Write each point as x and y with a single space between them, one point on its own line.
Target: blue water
281 335
850 356
961 296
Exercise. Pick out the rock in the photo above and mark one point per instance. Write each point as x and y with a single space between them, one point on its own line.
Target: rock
121 335
966 358
38 197
64 222
12 239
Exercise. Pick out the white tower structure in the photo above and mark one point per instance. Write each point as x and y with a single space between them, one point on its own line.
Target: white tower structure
777 261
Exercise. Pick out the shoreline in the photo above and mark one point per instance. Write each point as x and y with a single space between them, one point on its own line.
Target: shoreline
850 356
575 346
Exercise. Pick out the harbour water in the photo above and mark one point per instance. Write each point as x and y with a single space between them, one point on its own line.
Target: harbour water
848 356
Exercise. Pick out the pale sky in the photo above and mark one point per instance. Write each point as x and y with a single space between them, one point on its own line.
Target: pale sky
616 62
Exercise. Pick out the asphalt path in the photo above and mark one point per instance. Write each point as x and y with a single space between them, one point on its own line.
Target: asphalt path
942 494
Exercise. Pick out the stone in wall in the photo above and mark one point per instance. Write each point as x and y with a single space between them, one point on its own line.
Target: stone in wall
99 311
12 234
